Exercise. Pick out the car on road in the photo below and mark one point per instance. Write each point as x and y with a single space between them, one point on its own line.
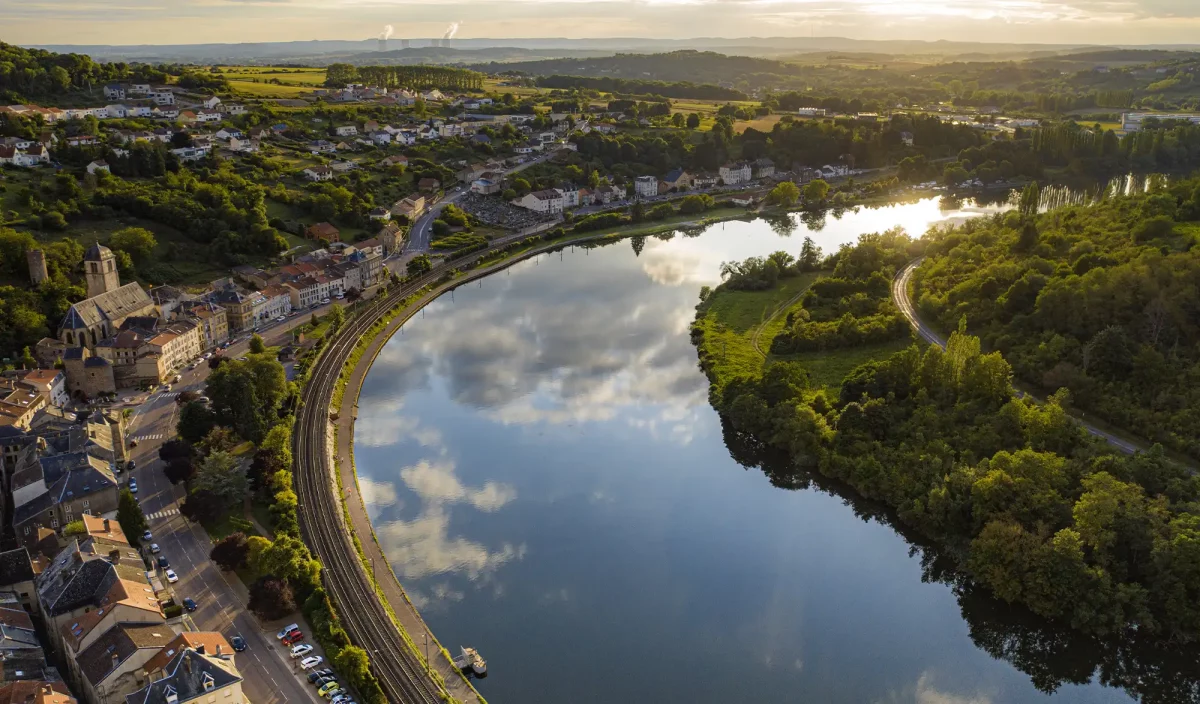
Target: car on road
302 649
189 603
286 630
178 378
133 486
146 535
154 548
238 643
328 687
131 465
163 563
309 663
172 577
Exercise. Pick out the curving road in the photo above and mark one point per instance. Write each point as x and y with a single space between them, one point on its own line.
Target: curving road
903 300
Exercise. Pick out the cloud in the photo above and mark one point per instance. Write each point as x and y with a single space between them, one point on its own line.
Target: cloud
376 494
436 484
423 548
926 693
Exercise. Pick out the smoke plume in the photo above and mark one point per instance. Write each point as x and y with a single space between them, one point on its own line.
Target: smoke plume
386 33
450 31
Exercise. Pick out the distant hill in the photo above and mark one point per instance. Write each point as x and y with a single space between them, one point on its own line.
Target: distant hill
684 65
323 51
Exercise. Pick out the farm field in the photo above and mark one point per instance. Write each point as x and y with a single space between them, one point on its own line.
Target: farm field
268 90
288 76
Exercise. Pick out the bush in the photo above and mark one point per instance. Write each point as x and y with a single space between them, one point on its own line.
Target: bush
600 221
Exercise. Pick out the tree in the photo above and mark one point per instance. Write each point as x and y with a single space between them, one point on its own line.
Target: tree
176 448
695 204
678 120
221 475
195 421
257 346
419 265
815 191
129 515
137 242
352 662
785 193
271 598
810 256
954 174
202 506
693 121
231 552
337 316
179 469
219 439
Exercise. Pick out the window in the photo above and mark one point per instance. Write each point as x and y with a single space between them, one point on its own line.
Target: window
54 522
26 530
87 503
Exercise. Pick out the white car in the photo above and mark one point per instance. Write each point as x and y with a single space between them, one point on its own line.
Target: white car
302 649
154 548
310 663
286 630
172 577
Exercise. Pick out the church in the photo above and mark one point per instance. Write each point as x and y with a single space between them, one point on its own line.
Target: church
108 304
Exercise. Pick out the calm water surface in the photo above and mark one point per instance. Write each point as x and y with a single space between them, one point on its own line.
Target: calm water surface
551 485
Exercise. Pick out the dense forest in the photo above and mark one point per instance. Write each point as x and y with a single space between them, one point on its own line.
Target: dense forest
1018 495
665 89
1100 300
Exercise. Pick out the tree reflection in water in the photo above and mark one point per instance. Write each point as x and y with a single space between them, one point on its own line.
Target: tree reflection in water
1051 655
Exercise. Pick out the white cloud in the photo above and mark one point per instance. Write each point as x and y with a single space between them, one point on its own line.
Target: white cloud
376 494
436 484
423 548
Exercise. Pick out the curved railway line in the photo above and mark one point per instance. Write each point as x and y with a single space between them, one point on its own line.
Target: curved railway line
400 671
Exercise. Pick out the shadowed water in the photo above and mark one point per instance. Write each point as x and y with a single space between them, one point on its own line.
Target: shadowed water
550 484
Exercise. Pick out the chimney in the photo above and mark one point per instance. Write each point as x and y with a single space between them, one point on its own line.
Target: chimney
114 557
200 648
116 661
218 649
106 526
187 664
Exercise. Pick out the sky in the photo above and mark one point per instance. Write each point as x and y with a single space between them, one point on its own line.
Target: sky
29 22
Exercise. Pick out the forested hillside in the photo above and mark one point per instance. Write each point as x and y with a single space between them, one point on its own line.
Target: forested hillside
693 66
1020 497
1101 300
31 73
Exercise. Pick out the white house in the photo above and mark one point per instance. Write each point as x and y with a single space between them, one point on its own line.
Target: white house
140 111
211 102
162 96
138 88
116 111
114 91
570 195
834 171
318 173
243 145
381 138
98 165
191 153
763 168
811 112
645 186
343 166
529 147
321 147
234 109
209 116
346 130
228 133
548 201
733 174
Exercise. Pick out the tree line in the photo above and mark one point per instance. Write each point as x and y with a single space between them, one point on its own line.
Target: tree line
1017 495
411 77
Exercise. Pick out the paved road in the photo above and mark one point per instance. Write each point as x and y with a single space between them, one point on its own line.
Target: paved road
421 232
270 675
900 295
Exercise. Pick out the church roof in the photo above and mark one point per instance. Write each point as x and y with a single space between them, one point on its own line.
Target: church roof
113 306
97 252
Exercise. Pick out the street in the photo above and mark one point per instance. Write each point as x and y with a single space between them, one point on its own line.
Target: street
269 674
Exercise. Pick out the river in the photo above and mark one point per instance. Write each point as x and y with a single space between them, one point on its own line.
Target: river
549 482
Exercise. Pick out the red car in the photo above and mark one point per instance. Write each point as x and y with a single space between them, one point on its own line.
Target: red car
293 638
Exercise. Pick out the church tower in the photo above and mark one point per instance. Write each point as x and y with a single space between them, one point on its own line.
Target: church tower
100 270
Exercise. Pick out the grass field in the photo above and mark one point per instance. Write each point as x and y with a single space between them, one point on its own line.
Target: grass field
290 76
493 86
762 124
268 90
734 317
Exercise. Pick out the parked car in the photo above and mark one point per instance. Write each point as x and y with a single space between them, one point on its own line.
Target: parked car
147 536
322 681
133 486
319 675
293 638
172 577
302 649
154 548
189 603
163 562
131 465
311 662
328 687
286 630
238 643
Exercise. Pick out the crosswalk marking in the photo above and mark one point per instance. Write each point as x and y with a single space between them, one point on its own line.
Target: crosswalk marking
144 438
165 513
168 394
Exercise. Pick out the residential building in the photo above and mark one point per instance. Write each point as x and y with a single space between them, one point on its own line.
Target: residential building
304 292
239 307
428 185
345 130
111 667
98 165
570 195
114 91
411 207
678 179
486 186
645 186
318 173
734 173
380 214
197 669
19 404
211 102
161 96
88 376
210 318
323 230
548 201
35 691
322 146
763 167
53 490
392 238
811 112
51 383
277 301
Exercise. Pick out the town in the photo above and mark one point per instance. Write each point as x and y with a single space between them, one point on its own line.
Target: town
200 261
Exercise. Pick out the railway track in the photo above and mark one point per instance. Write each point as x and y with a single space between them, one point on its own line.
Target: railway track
399 669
